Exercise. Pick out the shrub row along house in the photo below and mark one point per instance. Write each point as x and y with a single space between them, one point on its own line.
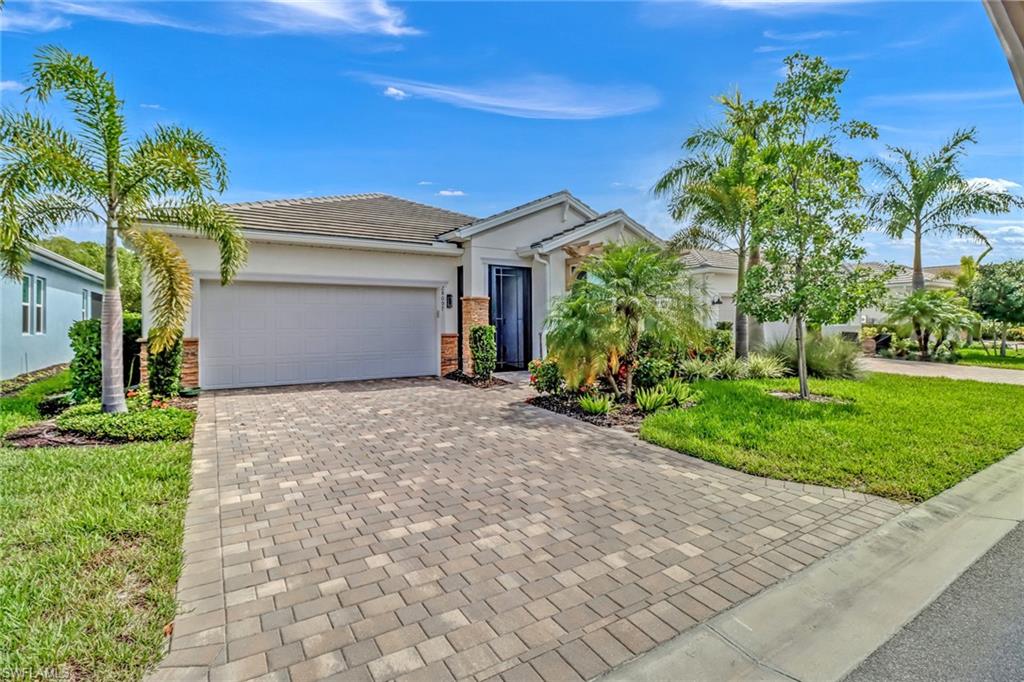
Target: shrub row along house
38 309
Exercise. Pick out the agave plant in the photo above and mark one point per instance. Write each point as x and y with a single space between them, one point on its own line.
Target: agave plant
50 176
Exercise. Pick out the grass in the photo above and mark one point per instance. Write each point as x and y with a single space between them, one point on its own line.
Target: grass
20 409
906 438
90 550
977 356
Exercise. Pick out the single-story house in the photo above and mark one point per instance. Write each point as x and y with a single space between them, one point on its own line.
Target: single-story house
52 294
373 286
717 270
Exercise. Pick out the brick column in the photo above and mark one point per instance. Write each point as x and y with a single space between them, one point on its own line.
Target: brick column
190 363
449 353
143 363
476 310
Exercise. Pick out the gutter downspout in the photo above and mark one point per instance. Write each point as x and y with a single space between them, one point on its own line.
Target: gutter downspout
537 258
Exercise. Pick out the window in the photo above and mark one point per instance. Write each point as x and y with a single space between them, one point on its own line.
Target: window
96 306
26 304
40 302
85 304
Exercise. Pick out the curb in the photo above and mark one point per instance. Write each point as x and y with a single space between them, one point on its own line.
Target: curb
825 620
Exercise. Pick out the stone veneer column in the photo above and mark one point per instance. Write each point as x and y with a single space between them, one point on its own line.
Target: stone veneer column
476 310
449 353
189 363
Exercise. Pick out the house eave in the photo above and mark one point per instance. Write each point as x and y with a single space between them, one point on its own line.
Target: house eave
551 244
464 233
66 264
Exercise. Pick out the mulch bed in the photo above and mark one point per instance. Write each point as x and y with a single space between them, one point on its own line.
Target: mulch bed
464 378
626 416
12 386
814 397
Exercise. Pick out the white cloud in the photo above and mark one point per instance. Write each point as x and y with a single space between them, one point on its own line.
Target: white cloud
451 193
994 184
10 85
803 36
538 96
331 16
779 6
424 182
158 107
395 93
940 97
259 17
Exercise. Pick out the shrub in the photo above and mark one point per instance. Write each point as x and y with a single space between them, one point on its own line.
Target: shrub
727 367
680 392
165 370
596 403
696 370
86 367
545 376
828 357
725 325
761 366
140 422
484 349
651 371
717 344
650 400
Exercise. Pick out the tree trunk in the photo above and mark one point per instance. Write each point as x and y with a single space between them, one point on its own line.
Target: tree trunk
918 280
755 330
739 324
1002 343
111 329
801 358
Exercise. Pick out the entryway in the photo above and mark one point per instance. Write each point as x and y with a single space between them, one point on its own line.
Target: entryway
510 315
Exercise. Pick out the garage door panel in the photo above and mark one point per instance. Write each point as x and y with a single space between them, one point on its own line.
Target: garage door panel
264 333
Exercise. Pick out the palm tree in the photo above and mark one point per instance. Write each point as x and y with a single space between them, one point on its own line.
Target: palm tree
929 195
50 176
716 189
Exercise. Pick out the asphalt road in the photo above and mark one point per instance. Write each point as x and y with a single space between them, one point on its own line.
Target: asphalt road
973 631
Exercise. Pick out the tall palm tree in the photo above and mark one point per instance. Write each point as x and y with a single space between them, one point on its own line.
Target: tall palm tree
929 195
50 177
716 188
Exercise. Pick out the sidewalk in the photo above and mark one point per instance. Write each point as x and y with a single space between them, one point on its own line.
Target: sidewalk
825 620
992 375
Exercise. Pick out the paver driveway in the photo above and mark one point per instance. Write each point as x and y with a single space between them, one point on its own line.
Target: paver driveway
422 529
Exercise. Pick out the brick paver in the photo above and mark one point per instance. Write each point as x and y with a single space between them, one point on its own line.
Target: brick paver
423 529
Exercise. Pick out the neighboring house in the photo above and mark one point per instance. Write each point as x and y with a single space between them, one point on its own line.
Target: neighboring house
38 310
373 286
717 271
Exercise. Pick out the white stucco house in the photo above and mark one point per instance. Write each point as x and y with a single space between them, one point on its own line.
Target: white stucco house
373 286
717 270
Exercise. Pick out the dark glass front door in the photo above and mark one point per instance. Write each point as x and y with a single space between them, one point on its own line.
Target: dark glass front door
510 315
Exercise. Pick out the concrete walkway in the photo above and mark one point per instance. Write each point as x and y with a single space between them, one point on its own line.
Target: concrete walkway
823 622
427 530
992 375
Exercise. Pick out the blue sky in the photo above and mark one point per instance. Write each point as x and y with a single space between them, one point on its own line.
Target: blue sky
479 107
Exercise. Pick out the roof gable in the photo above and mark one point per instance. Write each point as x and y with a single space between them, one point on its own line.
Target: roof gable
584 229
564 197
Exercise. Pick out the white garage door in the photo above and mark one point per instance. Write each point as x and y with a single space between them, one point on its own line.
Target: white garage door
270 333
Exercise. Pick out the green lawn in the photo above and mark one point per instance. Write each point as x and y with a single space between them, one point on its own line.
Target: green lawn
20 409
977 356
907 438
90 550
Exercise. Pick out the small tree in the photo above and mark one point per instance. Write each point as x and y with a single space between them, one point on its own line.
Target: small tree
931 314
810 227
998 294
484 350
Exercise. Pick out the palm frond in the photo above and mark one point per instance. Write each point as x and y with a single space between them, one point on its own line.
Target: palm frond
170 284
209 219
174 160
28 220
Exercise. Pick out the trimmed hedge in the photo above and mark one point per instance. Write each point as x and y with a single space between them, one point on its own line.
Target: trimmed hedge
87 368
139 423
484 349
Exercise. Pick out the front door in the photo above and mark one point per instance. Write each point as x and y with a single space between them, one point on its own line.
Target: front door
510 315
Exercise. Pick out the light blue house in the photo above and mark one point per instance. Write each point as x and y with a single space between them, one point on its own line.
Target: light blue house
37 311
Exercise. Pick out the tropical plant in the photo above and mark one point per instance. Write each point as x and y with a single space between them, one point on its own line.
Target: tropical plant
933 315
627 291
827 357
484 350
651 371
596 403
650 400
545 376
764 366
929 195
715 187
998 295
50 176
696 370
812 219
680 392
729 368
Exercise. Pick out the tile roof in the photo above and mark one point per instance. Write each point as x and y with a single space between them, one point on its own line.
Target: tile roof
360 216
711 258
579 226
